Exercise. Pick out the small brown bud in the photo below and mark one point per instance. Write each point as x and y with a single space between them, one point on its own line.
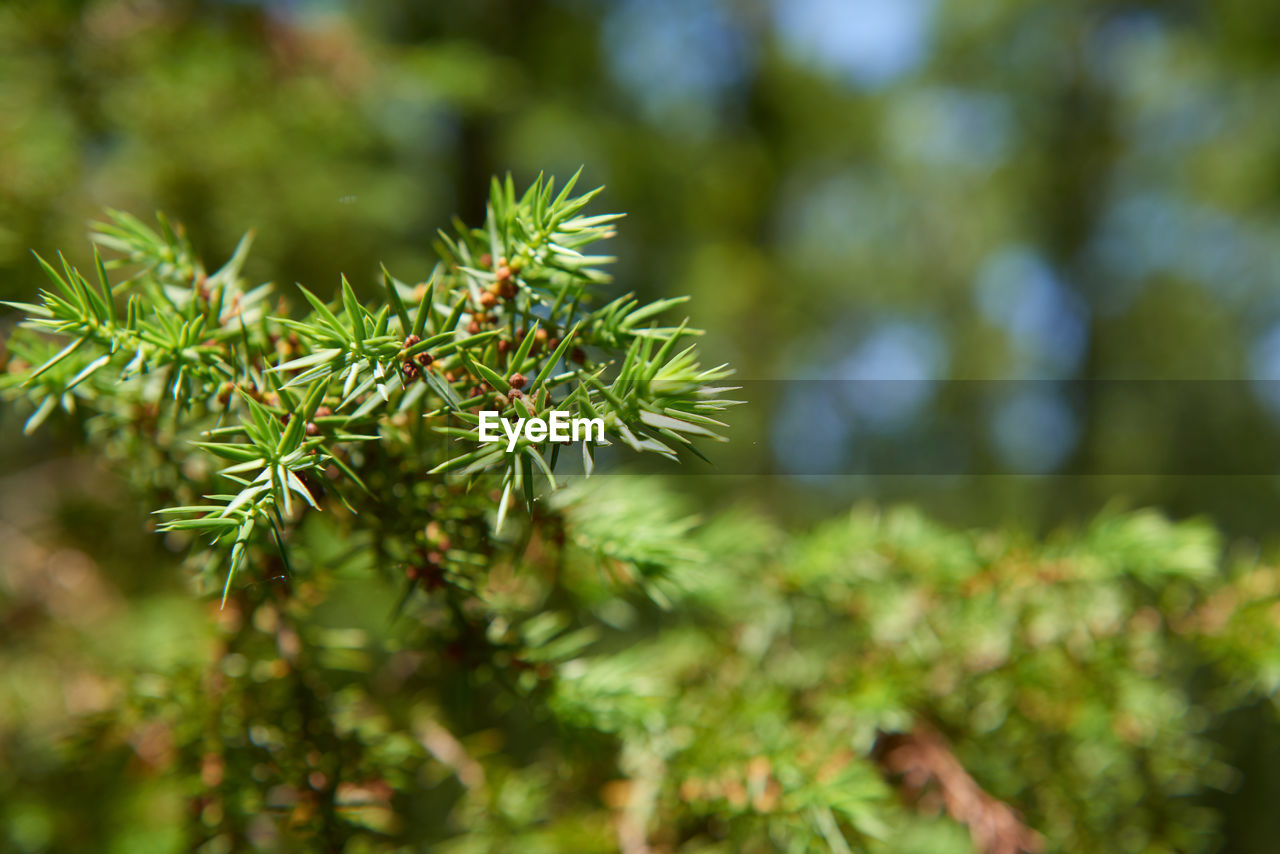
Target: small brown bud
312 429
410 370
411 340
515 394
425 359
578 355
486 261
517 380
323 412
504 346
488 300
473 327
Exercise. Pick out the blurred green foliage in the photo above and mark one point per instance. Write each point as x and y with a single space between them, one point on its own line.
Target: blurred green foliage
759 691
919 189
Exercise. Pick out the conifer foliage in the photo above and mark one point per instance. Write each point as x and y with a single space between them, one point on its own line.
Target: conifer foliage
296 411
418 641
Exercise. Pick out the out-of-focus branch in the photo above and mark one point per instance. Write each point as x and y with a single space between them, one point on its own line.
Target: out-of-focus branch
927 771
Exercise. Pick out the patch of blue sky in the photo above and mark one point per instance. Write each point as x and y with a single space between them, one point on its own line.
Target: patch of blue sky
1148 233
883 386
1048 323
868 43
1264 366
678 58
893 373
1033 430
810 433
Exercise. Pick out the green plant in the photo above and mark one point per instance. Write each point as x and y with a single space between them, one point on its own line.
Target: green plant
356 405
603 670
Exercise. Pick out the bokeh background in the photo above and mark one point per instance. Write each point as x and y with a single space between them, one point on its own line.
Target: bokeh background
932 192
